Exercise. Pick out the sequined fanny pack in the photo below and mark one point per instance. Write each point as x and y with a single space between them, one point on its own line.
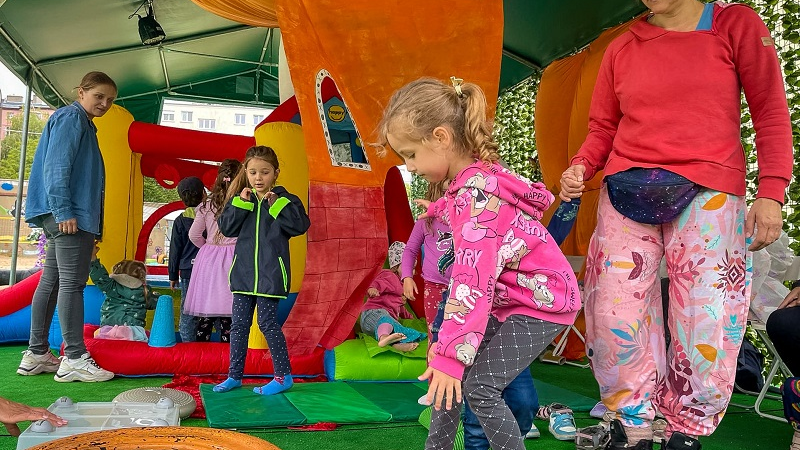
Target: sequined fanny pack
651 196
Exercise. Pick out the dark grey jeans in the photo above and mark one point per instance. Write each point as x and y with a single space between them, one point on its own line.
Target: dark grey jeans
66 269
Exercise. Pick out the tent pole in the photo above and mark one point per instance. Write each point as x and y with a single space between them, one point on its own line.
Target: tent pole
20 185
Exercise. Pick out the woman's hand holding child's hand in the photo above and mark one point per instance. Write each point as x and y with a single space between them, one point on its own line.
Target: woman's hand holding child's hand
409 288
245 194
372 292
442 388
572 182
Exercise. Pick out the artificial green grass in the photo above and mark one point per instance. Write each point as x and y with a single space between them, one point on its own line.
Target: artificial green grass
741 429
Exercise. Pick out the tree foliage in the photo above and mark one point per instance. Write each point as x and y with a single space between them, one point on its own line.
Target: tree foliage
513 128
155 193
11 145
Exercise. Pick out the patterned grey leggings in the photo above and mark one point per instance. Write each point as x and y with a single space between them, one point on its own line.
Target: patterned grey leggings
507 349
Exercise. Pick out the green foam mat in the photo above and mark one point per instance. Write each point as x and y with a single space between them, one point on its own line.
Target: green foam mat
334 402
398 399
242 408
352 362
549 393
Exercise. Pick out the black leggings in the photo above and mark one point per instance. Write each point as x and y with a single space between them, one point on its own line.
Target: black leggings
784 331
206 324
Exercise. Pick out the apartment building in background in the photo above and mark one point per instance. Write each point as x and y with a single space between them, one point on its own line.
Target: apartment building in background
215 118
13 105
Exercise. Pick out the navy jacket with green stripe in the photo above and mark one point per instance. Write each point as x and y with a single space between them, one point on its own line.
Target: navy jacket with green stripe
261 260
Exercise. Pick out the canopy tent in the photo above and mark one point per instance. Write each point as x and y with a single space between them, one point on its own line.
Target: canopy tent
53 43
205 57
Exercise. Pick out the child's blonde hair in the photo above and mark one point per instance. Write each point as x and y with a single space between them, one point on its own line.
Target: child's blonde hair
422 105
435 192
259 152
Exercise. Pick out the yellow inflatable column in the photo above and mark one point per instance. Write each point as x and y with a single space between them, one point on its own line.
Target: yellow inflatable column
288 142
122 209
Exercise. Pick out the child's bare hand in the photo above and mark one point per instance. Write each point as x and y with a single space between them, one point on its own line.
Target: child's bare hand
245 194
572 182
94 252
409 288
424 204
431 351
442 389
271 197
372 292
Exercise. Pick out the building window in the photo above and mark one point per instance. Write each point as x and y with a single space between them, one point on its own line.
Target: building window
341 134
257 118
239 119
206 124
186 116
168 116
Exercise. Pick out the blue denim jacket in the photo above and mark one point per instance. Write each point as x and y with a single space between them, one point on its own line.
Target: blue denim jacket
68 175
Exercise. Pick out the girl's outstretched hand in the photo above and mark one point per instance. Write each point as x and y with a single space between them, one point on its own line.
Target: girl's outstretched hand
409 288
442 388
572 182
425 204
245 195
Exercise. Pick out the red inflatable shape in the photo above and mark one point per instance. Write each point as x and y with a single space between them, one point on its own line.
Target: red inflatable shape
128 358
168 142
18 296
400 222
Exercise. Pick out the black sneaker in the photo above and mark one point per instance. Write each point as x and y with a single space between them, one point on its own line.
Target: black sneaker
619 439
680 441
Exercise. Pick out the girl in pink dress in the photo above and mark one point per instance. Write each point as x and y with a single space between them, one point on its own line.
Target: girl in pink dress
209 296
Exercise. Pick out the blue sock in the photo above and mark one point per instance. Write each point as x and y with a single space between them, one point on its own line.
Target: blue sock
276 386
227 385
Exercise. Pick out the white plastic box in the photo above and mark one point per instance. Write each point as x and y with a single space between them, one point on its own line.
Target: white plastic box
96 416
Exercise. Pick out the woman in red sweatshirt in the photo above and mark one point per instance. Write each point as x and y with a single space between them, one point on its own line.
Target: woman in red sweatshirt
664 127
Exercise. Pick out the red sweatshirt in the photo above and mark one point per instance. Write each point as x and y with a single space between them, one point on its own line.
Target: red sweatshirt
672 99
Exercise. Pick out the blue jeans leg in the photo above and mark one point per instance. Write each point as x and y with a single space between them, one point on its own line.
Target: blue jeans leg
188 324
520 396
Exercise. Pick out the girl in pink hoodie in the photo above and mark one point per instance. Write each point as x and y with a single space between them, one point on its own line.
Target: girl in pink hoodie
512 290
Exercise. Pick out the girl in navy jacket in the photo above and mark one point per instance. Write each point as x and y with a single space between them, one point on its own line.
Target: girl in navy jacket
263 217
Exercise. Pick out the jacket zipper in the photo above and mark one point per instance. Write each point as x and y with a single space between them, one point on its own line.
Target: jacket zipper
255 253
283 272
230 271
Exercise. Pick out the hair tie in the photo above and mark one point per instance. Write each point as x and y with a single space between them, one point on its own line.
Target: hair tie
226 179
457 85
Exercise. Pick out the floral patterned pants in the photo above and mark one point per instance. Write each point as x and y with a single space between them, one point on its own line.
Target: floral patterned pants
691 382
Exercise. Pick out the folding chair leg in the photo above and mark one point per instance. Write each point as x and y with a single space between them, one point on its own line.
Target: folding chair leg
777 364
556 355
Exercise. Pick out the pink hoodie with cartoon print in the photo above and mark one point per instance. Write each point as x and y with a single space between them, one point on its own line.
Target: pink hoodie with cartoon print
506 262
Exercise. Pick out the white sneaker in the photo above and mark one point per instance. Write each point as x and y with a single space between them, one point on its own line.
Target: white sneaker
81 369
33 364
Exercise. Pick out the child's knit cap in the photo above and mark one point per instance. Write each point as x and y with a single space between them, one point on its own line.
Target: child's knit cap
129 273
396 253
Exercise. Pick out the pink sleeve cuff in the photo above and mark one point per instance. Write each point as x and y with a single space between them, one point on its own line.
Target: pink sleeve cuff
452 367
